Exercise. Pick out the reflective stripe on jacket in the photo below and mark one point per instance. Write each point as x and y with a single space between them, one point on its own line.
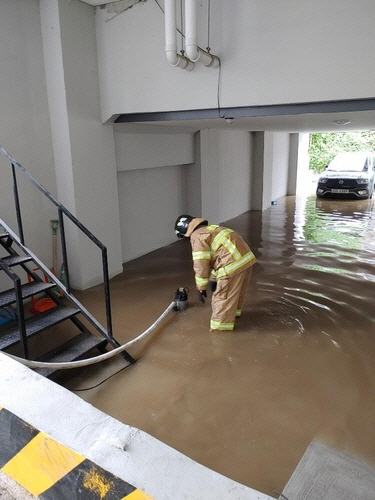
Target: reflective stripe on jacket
218 251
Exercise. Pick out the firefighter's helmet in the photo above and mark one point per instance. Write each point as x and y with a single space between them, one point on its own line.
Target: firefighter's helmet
182 224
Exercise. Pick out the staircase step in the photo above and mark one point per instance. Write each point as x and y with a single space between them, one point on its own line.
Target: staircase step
36 324
9 296
71 350
3 236
15 260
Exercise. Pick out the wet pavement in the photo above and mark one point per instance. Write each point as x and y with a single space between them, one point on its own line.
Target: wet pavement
299 366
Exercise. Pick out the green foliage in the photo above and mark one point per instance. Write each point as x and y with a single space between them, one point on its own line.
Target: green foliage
324 147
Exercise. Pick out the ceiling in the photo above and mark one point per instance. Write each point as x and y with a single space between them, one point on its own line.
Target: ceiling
334 116
309 122
326 116
126 3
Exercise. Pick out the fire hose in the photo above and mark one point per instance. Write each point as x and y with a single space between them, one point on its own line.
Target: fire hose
178 304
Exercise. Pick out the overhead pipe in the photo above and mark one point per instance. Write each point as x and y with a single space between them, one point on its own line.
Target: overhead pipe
177 60
195 53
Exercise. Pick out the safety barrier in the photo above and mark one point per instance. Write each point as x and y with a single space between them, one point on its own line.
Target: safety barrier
50 470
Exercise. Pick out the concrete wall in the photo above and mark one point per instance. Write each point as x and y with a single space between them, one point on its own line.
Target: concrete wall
150 201
214 174
274 167
271 52
226 174
137 151
155 174
83 147
51 123
280 165
25 125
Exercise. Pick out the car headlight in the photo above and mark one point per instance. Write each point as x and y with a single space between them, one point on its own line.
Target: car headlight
362 181
323 180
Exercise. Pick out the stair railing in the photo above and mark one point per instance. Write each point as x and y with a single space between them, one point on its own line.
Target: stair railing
20 312
62 212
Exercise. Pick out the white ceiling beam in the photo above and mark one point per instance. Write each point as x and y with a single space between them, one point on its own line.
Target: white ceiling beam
96 3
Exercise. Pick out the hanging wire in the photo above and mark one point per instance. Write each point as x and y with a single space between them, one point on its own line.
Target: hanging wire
161 8
182 25
100 383
208 48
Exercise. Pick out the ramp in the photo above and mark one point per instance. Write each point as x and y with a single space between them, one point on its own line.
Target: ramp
324 473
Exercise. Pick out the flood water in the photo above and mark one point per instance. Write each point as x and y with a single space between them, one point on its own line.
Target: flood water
298 367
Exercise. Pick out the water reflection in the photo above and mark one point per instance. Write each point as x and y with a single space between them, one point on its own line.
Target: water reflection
338 229
299 366
339 222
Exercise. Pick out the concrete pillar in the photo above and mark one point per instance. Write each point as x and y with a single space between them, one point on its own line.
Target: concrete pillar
293 164
210 174
84 149
298 160
257 161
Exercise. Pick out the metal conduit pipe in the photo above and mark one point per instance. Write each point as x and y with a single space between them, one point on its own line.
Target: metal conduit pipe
173 58
195 53
101 357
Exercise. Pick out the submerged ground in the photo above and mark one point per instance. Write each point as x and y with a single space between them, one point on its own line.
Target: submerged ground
298 367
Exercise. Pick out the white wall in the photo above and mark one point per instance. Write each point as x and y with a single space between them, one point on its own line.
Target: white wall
280 164
216 185
226 173
271 52
84 148
150 202
276 166
24 125
156 174
137 151
257 160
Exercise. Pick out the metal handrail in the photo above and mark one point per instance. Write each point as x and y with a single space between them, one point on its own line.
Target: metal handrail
20 313
62 211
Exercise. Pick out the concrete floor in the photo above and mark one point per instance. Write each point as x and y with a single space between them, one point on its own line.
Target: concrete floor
10 490
324 473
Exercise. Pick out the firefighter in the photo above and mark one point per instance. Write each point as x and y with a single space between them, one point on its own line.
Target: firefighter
221 259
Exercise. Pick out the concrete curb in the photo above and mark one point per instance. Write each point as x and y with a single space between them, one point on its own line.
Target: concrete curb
54 423
50 470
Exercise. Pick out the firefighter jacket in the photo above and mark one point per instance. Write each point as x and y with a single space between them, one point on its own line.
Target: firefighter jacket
218 252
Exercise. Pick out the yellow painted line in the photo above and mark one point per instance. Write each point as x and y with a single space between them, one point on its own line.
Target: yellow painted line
41 463
137 495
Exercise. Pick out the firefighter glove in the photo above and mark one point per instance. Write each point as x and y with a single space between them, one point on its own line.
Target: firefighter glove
213 285
201 295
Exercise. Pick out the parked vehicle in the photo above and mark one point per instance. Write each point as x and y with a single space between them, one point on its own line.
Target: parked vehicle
349 175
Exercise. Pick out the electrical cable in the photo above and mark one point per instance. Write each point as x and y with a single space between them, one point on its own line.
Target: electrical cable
100 383
96 359
208 26
182 36
160 7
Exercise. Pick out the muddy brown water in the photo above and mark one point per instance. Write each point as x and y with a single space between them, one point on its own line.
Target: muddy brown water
298 367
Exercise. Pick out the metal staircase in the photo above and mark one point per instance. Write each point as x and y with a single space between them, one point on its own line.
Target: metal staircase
17 262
